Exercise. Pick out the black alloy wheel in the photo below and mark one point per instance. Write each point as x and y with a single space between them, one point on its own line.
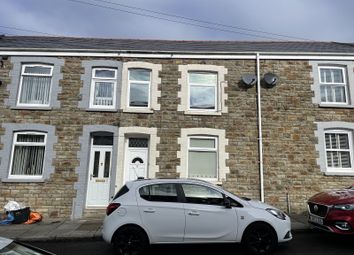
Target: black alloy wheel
130 240
259 239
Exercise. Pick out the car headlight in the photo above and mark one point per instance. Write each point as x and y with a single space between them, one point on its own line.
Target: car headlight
277 213
346 207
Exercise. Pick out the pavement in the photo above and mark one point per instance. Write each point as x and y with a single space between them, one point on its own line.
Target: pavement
86 228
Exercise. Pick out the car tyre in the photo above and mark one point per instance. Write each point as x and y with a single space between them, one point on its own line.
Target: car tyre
259 239
130 240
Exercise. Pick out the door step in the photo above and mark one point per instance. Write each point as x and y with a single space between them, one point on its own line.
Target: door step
95 213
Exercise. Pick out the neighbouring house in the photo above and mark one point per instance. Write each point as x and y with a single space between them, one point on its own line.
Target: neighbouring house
81 116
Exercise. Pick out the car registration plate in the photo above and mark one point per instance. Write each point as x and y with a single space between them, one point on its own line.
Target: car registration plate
316 219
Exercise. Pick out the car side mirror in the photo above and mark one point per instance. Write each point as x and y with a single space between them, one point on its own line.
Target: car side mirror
227 203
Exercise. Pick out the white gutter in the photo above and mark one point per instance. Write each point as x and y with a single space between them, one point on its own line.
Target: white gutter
260 136
289 56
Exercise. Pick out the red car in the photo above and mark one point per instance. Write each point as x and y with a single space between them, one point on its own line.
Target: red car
333 211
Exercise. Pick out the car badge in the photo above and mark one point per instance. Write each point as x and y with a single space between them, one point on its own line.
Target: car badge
315 208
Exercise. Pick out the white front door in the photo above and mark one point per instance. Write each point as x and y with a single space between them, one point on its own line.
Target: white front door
136 163
99 176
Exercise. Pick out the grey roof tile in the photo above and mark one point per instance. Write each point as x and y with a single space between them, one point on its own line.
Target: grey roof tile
135 45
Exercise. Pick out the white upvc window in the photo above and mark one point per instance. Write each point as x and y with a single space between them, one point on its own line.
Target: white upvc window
339 151
202 89
35 85
203 157
203 92
28 153
139 85
103 88
333 85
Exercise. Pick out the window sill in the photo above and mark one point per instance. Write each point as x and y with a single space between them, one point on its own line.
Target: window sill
22 180
31 108
336 106
133 110
101 110
340 173
202 113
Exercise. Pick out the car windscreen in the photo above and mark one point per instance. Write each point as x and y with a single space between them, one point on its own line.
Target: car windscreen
18 249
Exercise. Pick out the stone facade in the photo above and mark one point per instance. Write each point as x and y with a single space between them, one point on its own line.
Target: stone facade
289 121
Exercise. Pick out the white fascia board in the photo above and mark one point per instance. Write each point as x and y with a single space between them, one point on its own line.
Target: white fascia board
279 56
58 54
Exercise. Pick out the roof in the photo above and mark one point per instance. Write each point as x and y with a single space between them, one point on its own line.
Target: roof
43 43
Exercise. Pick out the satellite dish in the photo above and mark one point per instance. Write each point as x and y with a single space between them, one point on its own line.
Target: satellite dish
249 79
271 79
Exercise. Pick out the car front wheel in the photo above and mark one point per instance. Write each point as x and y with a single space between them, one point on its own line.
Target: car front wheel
259 239
130 240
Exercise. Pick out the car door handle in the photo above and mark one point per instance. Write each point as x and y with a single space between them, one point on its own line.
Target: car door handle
149 210
193 213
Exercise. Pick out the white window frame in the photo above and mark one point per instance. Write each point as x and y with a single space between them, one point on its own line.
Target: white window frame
204 149
15 143
215 86
154 91
222 155
142 83
334 84
37 75
95 79
350 150
184 94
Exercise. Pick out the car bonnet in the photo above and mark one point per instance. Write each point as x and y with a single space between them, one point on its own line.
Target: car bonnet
334 197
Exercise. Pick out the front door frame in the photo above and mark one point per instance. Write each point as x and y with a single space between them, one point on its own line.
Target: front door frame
102 149
127 154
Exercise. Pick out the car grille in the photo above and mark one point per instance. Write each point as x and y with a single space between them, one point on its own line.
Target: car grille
317 209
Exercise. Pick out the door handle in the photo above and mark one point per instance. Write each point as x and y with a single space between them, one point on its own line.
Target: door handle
149 210
91 175
193 213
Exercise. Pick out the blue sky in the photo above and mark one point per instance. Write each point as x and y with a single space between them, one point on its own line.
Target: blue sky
320 20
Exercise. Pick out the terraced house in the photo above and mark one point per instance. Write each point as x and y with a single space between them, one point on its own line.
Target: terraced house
81 116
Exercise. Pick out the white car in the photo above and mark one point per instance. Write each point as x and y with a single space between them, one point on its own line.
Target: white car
159 211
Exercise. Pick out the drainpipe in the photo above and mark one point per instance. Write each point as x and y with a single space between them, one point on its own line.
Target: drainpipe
260 137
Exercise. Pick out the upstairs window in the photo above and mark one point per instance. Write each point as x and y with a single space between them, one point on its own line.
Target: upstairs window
103 88
333 85
202 157
28 155
338 149
139 87
202 91
35 85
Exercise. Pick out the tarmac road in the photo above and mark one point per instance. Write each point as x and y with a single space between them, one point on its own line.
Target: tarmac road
311 243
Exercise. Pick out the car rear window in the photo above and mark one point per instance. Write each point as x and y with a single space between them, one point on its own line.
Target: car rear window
121 192
159 192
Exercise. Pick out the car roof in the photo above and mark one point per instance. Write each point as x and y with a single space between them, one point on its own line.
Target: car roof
169 180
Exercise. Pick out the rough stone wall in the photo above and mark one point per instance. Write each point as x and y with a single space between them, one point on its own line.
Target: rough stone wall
289 118
288 128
